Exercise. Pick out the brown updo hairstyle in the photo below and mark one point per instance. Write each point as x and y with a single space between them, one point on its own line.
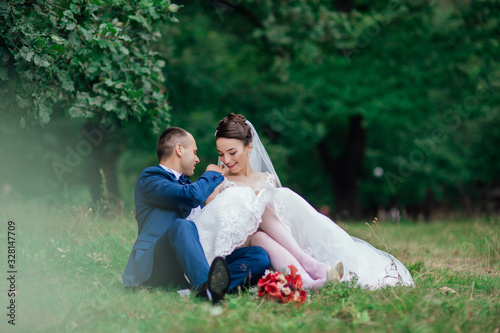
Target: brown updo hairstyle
234 126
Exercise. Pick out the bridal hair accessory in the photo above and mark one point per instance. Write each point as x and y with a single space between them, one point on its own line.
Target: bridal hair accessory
215 134
284 288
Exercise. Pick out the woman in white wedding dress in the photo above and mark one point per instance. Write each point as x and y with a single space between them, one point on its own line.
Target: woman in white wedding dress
251 208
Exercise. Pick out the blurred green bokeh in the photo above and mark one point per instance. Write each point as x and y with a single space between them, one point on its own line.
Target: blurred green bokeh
379 106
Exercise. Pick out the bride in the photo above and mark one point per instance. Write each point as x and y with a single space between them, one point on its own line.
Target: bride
251 208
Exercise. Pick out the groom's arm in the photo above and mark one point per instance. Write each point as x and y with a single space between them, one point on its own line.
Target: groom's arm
166 194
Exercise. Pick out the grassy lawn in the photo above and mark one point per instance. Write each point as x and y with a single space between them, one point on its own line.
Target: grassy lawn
70 259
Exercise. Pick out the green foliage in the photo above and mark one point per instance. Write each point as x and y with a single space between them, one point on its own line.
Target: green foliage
423 76
93 58
300 70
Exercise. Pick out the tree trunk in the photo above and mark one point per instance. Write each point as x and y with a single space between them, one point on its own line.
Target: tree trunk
102 177
344 5
101 170
345 170
428 204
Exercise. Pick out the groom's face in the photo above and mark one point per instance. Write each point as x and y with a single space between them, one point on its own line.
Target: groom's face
189 159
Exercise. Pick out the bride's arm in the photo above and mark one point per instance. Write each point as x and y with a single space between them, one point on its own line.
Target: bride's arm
213 195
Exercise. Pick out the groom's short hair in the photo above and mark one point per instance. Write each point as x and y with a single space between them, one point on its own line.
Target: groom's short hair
168 139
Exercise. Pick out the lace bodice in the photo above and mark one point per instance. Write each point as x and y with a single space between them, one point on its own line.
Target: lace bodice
270 180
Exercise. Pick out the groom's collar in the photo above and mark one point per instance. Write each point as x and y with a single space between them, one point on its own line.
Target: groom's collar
176 174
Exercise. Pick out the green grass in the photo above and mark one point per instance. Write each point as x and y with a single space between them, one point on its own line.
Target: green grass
70 260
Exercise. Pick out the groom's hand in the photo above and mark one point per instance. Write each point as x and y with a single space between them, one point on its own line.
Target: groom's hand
213 167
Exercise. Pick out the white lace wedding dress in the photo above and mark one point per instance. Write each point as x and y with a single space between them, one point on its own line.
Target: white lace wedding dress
227 221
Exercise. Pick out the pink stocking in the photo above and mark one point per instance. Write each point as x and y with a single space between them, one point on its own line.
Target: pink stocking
281 258
273 227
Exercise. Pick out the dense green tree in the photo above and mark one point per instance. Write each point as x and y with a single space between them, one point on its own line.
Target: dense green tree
361 104
87 59
338 95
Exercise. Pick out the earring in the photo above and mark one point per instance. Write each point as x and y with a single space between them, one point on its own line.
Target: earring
248 154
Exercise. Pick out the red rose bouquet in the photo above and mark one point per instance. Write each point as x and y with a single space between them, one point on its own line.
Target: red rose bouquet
285 288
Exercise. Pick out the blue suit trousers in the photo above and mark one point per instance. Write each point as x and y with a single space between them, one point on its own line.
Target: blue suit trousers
178 252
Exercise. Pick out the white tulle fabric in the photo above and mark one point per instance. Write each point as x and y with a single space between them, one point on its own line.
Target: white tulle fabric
235 214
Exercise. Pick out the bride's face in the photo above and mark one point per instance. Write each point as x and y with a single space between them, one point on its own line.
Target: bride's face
233 154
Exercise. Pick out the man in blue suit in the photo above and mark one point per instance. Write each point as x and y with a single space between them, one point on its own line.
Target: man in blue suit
167 250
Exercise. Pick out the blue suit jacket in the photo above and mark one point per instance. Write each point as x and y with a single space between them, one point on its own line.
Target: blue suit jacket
160 199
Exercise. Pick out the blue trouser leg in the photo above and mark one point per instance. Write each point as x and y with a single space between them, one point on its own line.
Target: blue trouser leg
185 241
166 269
247 265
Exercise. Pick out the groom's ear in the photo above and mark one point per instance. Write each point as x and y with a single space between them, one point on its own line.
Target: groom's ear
178 150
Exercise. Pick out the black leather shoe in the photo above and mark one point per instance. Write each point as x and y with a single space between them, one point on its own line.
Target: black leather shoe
219 279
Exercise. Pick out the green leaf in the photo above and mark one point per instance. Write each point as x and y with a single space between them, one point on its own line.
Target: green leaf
153 13
87 34
110 105
4 73
41 60
109 82
146 3
125 38
57 39
67 82
23 102
95 101
75 8
44 111
124 50
60 49
173 8
26 53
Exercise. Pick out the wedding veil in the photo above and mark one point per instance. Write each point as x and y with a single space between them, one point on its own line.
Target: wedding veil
259 159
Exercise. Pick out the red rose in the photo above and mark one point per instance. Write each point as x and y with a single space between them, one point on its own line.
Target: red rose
273 291
293 278
263 281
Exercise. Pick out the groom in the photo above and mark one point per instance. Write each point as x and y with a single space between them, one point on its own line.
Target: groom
168 250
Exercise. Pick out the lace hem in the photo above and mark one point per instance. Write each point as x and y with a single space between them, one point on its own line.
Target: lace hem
237 224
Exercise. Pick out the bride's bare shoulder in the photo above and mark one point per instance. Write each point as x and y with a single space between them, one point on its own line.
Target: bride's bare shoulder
260 176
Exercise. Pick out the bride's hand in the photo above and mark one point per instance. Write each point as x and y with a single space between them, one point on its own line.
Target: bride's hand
213 167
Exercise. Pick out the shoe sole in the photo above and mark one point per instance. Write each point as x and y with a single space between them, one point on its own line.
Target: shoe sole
219 279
